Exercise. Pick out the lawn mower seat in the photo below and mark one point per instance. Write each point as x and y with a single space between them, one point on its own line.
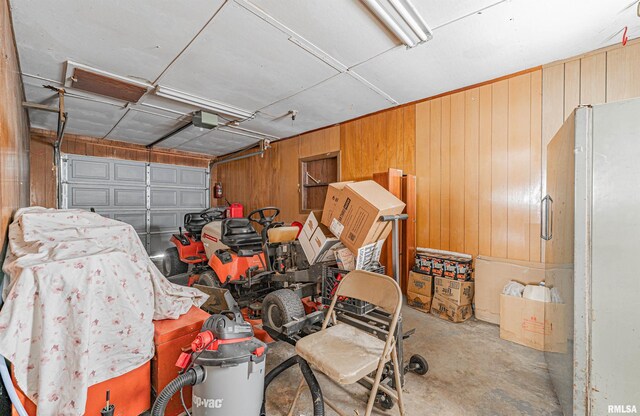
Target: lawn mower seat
193 224
240 236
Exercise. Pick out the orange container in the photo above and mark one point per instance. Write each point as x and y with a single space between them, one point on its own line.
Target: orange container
130 394
170 337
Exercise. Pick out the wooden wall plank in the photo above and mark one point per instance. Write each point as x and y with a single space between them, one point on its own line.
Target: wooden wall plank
572 87
435 178
471 154
456 219
535 175
14 129
409 137
484 172
423 180
519 142
350 150
445 186
552 102
623 76
593 79
499 168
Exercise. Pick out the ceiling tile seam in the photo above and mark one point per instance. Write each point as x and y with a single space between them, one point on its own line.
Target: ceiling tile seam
470 14
117 122
173 61
261 110
309 47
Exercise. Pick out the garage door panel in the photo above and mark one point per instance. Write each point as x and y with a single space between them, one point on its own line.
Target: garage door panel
129 172
153 198
193 198
138 219
195 178
130 197
165 221
83 170
164 198
159 243
164 175
89 197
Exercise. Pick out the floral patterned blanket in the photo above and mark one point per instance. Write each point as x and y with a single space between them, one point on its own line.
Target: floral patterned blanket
79 304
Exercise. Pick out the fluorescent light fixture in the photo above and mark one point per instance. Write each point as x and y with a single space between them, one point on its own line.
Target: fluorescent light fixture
406 23
203 103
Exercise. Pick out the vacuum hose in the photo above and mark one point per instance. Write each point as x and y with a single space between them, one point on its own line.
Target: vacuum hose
192 376
310 378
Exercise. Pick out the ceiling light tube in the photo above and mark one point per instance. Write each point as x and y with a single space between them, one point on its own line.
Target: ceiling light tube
203 103
406 16
418 16
382 14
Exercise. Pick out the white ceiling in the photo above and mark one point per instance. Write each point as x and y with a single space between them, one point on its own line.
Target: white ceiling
330 60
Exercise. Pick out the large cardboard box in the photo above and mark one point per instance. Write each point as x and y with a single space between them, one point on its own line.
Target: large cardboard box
419 301
492 275
318 247
354 216
316 240
539 325
421 284
456 291
333 193
448 310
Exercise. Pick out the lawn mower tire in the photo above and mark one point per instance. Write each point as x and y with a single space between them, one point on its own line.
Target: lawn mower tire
280 308
171 264
209 278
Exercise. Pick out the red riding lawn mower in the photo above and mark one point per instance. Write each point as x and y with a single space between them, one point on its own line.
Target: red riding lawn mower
266 273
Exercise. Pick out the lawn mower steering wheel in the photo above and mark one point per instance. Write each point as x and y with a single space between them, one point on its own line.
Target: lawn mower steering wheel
262 219
204 214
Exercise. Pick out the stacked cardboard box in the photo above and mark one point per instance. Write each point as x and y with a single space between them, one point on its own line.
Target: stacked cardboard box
452 299
352 213
420 291
316 240
452 286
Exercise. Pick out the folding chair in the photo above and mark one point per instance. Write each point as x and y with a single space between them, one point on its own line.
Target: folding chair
347 354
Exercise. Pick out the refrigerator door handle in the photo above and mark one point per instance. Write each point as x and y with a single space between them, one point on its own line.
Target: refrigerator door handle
544 218
550 218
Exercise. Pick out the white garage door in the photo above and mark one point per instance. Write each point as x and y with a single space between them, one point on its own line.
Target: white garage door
152 197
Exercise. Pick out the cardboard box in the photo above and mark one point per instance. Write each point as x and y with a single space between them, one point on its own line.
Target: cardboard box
491 276
448 310
456 266
458 292
316 242
310 224
354 216
539 325
419 301
421 284
364 258
333 192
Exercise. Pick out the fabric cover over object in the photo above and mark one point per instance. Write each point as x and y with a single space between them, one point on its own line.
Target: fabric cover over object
79 304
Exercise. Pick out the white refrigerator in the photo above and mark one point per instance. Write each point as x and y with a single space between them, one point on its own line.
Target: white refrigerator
591 231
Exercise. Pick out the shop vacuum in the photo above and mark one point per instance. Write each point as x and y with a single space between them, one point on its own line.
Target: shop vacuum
226 367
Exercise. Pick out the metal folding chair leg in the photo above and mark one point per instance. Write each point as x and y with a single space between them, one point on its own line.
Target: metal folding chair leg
394 358
295 399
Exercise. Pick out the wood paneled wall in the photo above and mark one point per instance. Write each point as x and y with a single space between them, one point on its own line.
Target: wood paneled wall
273 180
602 76
14 129
43 177
377 142
478 168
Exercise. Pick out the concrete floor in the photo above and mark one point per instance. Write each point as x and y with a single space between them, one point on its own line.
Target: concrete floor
471 372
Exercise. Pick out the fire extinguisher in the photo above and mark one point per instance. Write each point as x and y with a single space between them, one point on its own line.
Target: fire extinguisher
217 190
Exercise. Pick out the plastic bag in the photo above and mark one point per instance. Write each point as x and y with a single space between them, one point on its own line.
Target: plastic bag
513 289
555 296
